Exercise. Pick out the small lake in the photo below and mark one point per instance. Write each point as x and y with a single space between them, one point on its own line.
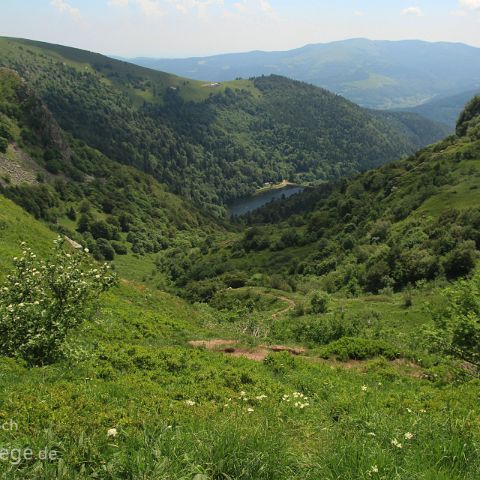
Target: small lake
249 204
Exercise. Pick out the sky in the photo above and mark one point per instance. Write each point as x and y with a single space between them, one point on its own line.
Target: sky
182 28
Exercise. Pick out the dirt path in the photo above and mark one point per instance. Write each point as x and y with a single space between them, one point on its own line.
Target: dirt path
291 305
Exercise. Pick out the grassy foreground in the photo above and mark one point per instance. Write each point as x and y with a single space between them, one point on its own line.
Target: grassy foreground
136 401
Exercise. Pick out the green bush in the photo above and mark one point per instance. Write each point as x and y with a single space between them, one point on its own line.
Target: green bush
3 144
280 362
325 330
355 348
105 250
42 301
320 302
120 248
457 324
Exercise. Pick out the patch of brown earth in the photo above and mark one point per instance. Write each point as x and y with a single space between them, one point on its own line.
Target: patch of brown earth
212 344
282 348
228 347
257 354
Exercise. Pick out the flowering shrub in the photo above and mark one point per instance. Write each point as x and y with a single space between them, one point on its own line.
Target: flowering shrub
42 301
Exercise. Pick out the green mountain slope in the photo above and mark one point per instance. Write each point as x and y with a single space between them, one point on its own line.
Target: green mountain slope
211 144
410 221
375 74
77 191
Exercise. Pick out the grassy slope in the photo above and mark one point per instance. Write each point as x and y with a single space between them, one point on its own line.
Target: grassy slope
139 372
148 79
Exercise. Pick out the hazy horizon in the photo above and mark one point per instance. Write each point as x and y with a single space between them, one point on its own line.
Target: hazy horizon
190 28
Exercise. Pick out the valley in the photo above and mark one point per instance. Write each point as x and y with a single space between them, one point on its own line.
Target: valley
146 333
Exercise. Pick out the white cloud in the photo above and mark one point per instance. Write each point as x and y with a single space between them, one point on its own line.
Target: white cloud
65 7
117 3
150 8
201 6
458 13
255 7
413 11
470 4
266 7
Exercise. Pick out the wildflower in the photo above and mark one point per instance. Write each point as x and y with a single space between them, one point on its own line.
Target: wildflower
409 410
112 432
408 436
242 393
190 403
423 410
396 443
373 469
86 250
261 397
372 434
364 388
250 410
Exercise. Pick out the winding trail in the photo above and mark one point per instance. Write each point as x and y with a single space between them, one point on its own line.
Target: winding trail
291 305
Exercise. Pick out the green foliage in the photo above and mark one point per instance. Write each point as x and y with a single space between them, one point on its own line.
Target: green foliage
3 145
468 116
324 330
41 302
457 323
320 302
354 348
211 146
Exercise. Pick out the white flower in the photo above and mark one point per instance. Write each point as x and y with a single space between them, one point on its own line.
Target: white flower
372 434
242 393
261 397
190 403
86 250
408 436
364 388
374 469
396 443
250 410
112 432
409 410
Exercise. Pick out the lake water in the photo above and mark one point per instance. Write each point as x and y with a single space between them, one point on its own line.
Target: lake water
245 205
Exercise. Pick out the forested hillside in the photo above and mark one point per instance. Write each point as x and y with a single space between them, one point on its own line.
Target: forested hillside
411 221
113 210
211 143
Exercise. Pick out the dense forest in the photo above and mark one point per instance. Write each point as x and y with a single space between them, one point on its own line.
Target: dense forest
388 229
110 208
212 144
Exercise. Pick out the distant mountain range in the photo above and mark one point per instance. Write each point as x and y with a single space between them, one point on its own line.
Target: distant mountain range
445 110
374 74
